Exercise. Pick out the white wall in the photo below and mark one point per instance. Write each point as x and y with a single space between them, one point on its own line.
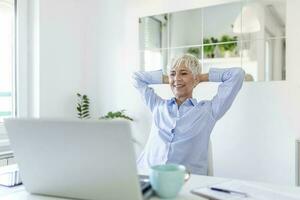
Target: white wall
92 46
78 46
57 64
293 48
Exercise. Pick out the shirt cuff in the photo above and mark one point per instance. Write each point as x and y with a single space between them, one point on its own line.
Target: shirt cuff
215 75
156 77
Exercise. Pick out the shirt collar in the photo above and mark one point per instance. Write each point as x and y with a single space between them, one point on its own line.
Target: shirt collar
193 101
190 100
171 101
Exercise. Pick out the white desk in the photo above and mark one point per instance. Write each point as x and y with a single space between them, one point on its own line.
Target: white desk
19 193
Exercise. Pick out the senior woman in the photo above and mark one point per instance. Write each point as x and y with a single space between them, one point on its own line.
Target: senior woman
181 125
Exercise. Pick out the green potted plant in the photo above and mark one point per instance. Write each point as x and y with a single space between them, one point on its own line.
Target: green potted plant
117 114
83 112
83 106
194 51
228 45
209 47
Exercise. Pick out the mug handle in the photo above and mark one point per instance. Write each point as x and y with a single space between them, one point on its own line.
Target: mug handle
187 175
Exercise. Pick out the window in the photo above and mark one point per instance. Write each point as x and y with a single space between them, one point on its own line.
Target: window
247 34
153 32
7 58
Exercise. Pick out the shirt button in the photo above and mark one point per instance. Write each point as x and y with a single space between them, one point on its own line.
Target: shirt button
172 131
172 137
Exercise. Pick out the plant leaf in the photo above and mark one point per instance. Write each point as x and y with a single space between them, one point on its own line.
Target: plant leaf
82 106
85 112
85 116
85 106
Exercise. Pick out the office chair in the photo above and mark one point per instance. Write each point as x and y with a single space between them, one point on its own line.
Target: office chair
210 169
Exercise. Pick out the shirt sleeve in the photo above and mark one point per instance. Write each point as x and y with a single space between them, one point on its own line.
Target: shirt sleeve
141 80
232 81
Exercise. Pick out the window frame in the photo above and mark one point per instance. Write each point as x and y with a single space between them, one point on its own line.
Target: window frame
3 135
20 71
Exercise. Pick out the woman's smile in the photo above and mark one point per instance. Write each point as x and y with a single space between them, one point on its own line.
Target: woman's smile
182 82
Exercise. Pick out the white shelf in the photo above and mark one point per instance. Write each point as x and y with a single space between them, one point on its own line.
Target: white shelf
222 60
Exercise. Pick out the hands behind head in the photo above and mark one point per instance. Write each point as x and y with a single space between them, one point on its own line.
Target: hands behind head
201 78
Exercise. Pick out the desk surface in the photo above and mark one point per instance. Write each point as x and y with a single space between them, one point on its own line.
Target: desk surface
19 193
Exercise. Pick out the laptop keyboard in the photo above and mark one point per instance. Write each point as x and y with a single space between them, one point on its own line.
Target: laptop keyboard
144 184
145 187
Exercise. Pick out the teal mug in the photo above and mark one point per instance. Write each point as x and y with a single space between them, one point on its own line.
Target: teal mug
167 180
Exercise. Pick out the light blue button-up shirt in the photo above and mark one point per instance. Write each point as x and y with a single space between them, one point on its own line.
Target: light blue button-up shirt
181 135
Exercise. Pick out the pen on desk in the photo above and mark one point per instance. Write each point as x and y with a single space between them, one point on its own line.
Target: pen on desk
229 191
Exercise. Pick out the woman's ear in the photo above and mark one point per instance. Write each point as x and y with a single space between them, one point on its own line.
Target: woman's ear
197 80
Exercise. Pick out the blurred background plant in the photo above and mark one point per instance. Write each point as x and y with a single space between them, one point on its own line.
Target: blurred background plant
117 114
209 47
194 51
213 47
228 46
83 110
83 106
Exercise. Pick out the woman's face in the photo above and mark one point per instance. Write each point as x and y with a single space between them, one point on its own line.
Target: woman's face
182 82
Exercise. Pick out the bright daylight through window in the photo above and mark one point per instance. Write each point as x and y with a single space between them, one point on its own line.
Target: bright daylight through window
7 49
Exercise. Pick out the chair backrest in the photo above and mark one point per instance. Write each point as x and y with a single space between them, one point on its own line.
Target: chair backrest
210 169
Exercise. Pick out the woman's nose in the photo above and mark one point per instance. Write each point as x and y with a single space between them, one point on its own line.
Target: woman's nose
177 77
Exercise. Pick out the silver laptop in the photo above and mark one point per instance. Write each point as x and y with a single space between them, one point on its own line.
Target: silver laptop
76 159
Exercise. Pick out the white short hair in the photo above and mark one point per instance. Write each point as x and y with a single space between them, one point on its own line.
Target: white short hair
190 61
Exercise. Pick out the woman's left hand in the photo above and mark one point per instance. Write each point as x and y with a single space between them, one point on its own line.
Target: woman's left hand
201 78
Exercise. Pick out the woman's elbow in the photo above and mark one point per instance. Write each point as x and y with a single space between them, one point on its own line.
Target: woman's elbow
239 74
135 78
